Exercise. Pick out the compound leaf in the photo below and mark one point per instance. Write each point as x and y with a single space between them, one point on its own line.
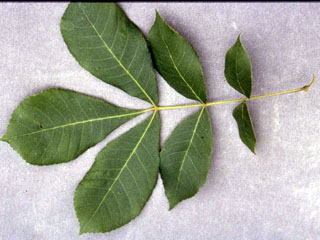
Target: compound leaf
57 125
246 131
107 44
186 157
121 180
238 68
177 61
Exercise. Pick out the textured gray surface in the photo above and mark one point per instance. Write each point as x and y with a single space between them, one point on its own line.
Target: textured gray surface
274 195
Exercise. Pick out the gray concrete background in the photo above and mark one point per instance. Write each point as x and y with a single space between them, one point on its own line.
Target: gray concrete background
273 195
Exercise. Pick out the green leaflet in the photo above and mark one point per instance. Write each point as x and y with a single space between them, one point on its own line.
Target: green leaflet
186 157
238 68
177 61
57 125
238 74
107 44
246 132
121 180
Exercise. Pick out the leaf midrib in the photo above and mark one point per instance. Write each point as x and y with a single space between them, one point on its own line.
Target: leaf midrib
176 67
115 57
187 151
74 123
250 122
124 166
237 77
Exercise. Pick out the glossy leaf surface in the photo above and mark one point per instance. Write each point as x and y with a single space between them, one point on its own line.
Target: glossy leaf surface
238 68
57 125
177 61
186 157
107 44
121 180
246 131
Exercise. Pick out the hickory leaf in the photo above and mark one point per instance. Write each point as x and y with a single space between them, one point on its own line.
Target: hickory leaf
246 131
177 61
186 157
238 68
107 44
57 125
121 180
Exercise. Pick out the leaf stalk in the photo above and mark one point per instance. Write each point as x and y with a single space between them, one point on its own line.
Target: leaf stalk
304 88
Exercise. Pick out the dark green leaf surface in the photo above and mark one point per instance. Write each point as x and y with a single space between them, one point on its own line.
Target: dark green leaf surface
186 157
246 131
177 61
107 44
57 125
121 180
238 68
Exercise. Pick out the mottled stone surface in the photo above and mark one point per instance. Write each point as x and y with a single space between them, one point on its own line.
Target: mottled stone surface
273 195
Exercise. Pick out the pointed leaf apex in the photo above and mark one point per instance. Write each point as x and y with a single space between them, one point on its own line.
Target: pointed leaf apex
82 231
171 206
252 148
240 41
3 138
158 16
